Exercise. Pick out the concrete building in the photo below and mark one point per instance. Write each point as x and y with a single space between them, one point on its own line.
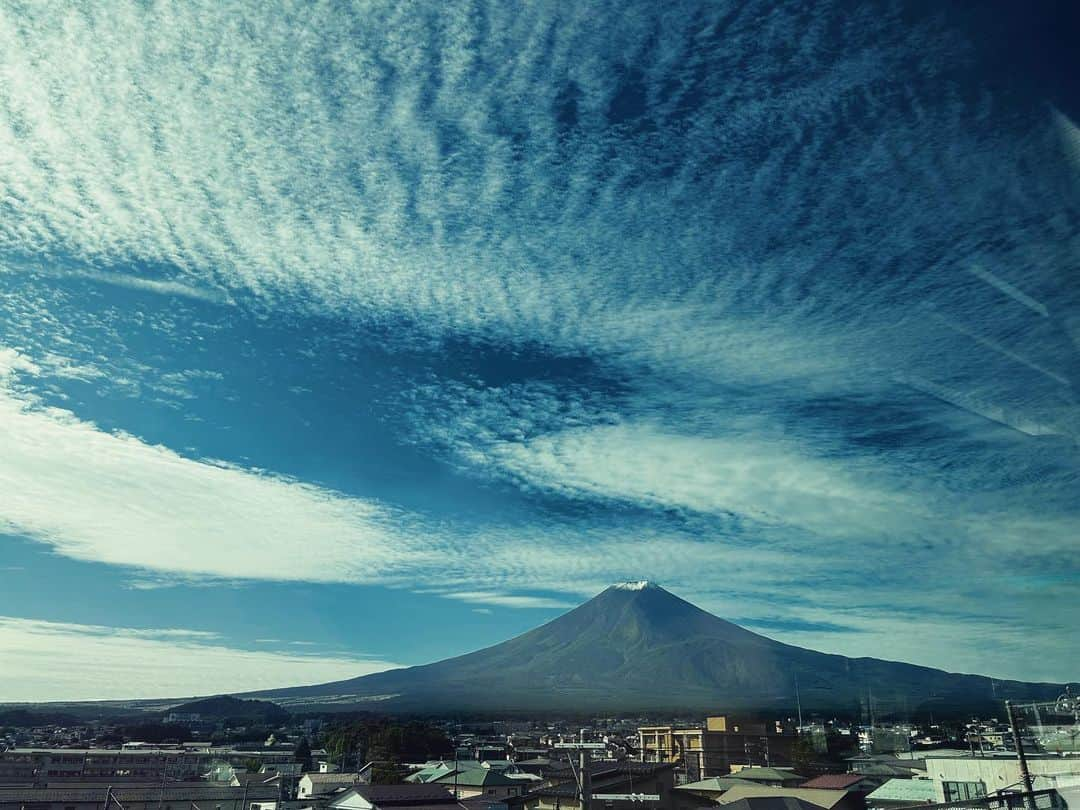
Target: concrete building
38 765
721 743
962 778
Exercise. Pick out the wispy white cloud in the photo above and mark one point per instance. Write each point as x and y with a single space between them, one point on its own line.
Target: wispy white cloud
356 173
508 600
112 498
477 179
120 663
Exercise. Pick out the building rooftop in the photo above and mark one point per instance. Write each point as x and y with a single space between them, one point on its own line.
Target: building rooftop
822 798
756 774
834 781
326 778
714 784
771 803
138 794
404 795
476 777
904 790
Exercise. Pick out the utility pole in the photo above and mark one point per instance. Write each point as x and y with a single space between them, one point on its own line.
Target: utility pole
586 777
1025 774
584 780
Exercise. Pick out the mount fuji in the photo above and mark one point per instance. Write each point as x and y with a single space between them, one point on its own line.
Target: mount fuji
638 647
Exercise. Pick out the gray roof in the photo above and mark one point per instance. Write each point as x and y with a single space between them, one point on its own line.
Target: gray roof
385 795
747 790
757 774
714 784
139 794
771 803
476 777
333 778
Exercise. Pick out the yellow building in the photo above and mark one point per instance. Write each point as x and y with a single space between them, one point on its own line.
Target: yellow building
714 749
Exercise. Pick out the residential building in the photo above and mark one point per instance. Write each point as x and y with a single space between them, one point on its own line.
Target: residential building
38 765
770 803
771 777
844 781
313 785
714 788
492 783
823 799
410 797
712 749
169 797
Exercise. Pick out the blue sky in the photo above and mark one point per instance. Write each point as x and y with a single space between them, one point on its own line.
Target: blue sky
336 336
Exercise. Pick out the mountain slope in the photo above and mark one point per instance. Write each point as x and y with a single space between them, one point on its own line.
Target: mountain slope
637 646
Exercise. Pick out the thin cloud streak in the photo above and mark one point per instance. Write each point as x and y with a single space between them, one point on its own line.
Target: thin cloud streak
118 663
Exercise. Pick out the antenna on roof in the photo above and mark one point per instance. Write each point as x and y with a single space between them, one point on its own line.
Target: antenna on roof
798 701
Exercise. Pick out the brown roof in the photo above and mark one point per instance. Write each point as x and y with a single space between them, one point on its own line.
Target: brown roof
834 781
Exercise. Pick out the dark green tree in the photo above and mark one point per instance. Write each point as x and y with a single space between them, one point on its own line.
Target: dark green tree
303 753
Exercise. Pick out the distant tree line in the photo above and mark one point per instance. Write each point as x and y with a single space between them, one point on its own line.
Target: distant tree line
386 743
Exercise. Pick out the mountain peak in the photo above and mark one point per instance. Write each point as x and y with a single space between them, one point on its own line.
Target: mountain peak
637 646
638 585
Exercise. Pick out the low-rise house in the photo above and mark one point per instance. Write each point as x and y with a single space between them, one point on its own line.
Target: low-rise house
242 778
770 803
825 799
407 797
283 768
312 785
170 797
771 777
710 789
489 782
843 781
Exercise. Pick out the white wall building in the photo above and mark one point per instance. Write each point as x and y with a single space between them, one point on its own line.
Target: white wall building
958 778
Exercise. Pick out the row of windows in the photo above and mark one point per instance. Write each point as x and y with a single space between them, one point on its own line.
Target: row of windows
961 791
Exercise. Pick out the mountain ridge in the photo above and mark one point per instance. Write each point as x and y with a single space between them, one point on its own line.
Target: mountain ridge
636 646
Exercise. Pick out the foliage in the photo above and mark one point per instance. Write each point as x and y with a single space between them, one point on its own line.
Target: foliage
303 753
234 711
156 732
386 744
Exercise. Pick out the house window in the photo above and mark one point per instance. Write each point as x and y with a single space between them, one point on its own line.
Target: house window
962 791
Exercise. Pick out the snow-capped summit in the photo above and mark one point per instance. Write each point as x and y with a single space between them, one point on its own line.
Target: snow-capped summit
639 585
